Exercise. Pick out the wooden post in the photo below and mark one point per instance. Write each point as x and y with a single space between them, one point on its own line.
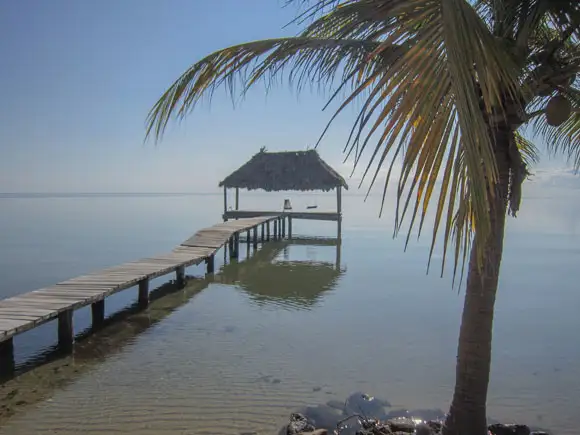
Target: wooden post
263 231
66 334
225 203
98 313
231 246
7 364
289 227
268 230
237 198
279 228
283 226
237 245
255 238
275 229
210 263
339 210
180 276
143 298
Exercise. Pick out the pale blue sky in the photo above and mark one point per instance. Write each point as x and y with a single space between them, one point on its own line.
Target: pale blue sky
78 77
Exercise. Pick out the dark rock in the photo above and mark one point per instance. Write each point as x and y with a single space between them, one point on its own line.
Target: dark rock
436 426
276 381
424 429
509 429
315 389
402 424
298 423
322 416
368 406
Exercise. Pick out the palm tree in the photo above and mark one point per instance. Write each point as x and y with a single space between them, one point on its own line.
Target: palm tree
448 86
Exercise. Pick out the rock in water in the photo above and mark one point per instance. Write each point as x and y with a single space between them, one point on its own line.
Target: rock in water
402 424
322 416
368 406
298 424
509 429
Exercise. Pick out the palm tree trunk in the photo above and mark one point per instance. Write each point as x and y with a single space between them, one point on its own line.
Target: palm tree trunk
467 414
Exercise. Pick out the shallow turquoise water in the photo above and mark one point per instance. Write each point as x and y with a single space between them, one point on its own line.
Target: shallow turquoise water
377 324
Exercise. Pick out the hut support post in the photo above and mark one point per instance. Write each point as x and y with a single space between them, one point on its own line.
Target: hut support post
275 229
262 229
225 203
255 237
339 210
290 227
237 199
283 226
268 231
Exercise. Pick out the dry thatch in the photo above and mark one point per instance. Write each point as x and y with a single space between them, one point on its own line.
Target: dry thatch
289 170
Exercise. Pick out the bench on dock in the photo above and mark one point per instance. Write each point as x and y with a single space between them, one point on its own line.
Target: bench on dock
27 311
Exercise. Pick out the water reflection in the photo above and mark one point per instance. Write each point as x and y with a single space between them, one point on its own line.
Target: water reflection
271 277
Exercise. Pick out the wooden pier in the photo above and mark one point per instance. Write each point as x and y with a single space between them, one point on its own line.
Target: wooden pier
27 311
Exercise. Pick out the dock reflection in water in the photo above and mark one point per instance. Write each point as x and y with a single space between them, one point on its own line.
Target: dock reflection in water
296 284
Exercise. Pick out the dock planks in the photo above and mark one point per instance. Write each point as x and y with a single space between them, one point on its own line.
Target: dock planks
27 311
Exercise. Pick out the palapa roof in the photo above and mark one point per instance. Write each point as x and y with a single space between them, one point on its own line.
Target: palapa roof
288 170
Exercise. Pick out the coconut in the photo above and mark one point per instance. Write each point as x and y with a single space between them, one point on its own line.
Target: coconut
558 110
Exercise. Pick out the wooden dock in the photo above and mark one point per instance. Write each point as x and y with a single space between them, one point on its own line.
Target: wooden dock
27 311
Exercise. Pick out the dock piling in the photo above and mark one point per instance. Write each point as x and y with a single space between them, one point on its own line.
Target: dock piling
180 276
98 313
255 236
65 330
210 264
7 364
290 227
143 299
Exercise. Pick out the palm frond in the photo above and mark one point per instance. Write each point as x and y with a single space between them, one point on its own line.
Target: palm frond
428 75
318 60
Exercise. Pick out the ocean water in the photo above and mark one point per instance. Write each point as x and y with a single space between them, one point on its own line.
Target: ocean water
293 324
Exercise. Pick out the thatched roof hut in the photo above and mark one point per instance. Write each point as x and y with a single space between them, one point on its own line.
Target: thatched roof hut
288 170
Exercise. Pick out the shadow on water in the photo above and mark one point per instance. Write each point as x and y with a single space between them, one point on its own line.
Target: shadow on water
264 277
268 279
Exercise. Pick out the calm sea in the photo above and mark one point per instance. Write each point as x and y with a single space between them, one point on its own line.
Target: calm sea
294 324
